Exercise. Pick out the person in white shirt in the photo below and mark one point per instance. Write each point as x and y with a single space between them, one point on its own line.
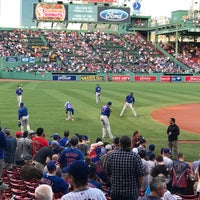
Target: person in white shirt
78 172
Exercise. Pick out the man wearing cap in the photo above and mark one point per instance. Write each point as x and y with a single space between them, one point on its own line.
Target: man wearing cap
23 117
70 154
69 110
27 145
129 102
98 93
105 114
19 156
78 172
19 95
83 146
57 183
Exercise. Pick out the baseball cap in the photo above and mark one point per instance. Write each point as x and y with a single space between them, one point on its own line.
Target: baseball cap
84 137
18 134
166 150
109 103
55 136
79 169
100 143
152 147
51 165
6 131
108 147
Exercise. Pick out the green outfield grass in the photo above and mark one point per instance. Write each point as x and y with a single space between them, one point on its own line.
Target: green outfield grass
45 101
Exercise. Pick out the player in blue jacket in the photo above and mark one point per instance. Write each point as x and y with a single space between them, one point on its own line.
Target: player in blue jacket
19 95
129 102
69 111
23 117
98 93
105 114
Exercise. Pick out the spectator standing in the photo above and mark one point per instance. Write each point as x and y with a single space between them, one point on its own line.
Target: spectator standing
23 117
3 144
19 156
9 157
83 146
129 102
180 173
136 139
64 141
125 170
78 172
57 183
19 95
105 114
27 145
70 154
98 93
44 192
69 110
173 132
38 141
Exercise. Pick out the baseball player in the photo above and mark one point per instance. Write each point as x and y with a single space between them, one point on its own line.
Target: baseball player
19 94
69 111
129 102
105 114
23 117
97 93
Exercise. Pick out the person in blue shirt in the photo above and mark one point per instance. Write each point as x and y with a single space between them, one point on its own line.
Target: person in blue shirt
105 114
69 111
19 95
64 142
98 93
129 102
58 184
23 117
3 145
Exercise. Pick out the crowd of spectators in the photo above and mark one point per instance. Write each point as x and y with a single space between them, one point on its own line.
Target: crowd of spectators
99 52
49 161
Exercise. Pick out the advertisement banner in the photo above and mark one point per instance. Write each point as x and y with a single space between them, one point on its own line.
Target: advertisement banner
120 78
63 78
177 78
165 78
116 15
11 59
145 78
50 12
92 78
192 79
82 13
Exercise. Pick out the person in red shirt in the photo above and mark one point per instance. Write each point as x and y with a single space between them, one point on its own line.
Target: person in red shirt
135 139
39 141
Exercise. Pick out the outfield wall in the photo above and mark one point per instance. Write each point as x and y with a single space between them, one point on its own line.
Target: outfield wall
48 76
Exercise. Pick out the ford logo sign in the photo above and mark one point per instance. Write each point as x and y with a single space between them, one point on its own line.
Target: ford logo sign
114 15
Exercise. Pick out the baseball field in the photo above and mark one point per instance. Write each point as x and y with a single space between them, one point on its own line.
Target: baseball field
45 102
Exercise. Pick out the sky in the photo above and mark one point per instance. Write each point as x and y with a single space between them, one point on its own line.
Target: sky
156 8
